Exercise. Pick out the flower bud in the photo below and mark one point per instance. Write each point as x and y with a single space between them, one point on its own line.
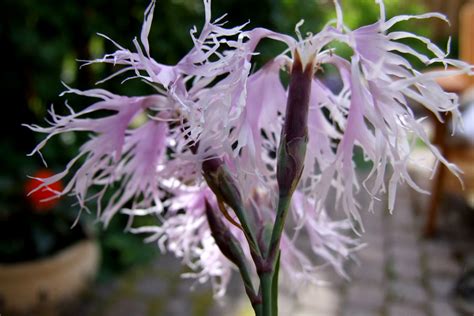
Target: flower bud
294 137
230 247
224 239
222 183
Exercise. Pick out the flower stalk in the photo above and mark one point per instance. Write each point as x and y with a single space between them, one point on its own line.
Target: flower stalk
290 164
230 247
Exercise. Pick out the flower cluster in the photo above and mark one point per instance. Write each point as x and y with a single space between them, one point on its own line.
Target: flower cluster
210 106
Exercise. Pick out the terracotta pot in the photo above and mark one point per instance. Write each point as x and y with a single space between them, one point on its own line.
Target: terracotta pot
49 281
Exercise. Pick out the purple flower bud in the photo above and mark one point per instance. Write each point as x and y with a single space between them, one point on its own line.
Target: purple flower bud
294 136
222 235
230 247
222 183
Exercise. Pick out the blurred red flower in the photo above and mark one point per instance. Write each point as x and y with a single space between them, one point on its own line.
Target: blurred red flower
37 198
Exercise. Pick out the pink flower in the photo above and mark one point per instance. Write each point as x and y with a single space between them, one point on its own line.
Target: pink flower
211 107
114 153
187 236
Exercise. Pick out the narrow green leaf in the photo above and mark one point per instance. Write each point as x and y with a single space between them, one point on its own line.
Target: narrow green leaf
276 272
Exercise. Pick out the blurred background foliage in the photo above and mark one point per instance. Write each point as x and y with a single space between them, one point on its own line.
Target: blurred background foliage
44 39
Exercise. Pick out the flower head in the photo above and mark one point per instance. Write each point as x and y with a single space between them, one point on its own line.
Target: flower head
210 107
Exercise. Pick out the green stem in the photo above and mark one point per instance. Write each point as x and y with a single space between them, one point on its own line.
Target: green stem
276 272
249 289
248 231
282 211
266 278
266 285
257 309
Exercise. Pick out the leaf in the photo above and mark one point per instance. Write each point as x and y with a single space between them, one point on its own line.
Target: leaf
276 272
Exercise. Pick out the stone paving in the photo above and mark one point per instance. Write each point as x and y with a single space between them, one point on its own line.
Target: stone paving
398 274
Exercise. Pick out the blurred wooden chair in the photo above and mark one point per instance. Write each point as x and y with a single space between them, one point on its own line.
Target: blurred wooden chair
458 152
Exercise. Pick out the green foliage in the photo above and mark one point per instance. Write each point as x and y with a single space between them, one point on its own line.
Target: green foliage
363 12
30 235
121 250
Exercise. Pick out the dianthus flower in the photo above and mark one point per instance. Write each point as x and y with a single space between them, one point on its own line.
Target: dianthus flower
226 153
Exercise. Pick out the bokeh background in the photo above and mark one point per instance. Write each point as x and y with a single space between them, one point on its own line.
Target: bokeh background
42 42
